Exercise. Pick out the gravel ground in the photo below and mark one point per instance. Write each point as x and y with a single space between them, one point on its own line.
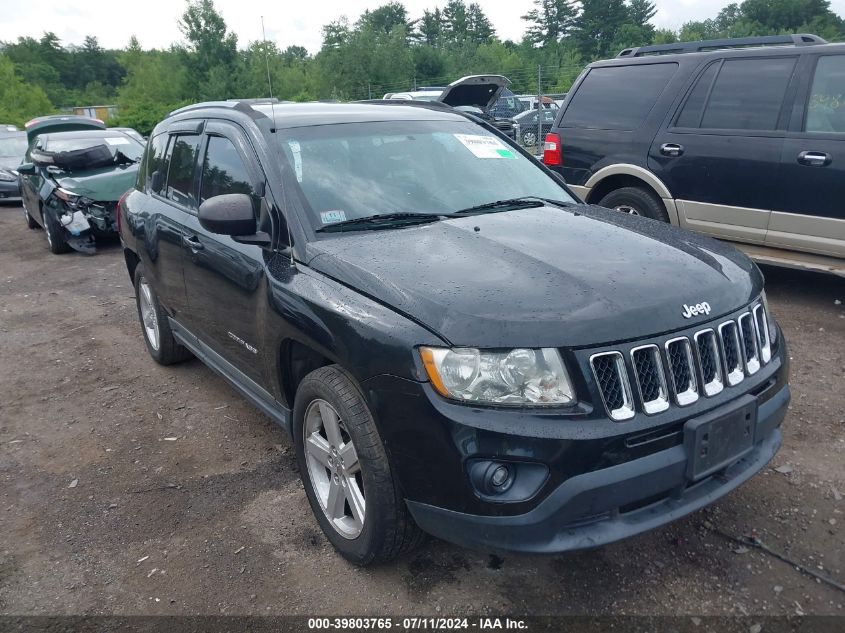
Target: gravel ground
129 488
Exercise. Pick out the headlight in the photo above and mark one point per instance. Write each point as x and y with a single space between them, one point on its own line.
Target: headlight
527 377
8 176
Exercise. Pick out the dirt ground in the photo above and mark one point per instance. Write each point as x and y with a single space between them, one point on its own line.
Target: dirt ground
129 488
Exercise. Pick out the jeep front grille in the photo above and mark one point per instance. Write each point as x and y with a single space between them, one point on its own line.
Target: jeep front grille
682 371
729 335
707 348
650 379
750 351
683 368
612 378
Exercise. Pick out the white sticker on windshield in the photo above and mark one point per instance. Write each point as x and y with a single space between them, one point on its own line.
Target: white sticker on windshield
330 217
117 140
297 159
485 146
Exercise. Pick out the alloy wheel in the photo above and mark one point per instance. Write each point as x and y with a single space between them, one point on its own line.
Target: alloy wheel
624 208
334 469
148 314
529 139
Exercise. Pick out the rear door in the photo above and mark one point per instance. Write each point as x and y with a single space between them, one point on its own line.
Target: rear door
809 211
173 158
718 155
225 280
605 119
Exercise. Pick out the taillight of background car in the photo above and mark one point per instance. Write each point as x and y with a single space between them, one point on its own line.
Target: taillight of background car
552 152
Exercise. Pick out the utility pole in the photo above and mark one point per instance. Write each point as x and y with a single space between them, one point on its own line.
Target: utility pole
540 138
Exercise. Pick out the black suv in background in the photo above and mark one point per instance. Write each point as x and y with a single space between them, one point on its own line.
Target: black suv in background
741 139
455 343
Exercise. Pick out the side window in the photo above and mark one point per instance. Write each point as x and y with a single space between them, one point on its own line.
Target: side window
826 108
223 170
748 94
157 163
690 116
180 176
617 97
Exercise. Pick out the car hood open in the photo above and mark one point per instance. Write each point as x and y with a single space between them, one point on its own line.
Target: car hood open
542 277
105 184
56 123
478 91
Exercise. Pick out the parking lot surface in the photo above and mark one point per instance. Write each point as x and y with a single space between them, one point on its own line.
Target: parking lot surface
130 488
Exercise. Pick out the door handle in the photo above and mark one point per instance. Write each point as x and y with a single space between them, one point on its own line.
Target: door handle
672 150
815 159
192 242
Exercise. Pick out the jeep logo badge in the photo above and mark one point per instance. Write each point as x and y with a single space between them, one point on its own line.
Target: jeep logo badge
698 308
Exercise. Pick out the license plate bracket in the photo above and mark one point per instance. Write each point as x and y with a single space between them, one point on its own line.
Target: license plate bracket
717 439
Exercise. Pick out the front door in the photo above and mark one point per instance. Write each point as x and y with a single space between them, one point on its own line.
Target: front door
718 156
225 280
809 211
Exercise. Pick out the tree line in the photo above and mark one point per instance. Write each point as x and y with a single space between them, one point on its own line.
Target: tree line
384 50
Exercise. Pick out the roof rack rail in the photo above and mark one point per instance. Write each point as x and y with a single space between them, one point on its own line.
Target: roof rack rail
242 105
427 105
798 39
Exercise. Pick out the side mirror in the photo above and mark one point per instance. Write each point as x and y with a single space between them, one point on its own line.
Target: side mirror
26 169
156 181
228 214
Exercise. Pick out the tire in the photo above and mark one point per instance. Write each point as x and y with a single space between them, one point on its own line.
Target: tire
529 139
386 529
636 201
161 344
30 223
53 233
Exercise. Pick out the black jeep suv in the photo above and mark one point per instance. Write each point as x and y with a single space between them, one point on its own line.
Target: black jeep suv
741 139
454 343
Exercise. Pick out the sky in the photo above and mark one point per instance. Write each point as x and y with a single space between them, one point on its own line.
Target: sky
154 22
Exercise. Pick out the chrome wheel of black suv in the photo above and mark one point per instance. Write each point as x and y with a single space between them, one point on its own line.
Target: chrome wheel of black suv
345 470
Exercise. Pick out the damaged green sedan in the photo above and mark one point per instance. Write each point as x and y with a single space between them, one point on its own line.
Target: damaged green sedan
75 172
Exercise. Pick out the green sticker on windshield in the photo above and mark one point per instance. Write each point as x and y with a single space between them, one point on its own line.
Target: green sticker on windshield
505 153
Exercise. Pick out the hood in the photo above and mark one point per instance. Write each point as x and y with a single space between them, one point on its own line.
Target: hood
480 91
59 123
105 184
544 277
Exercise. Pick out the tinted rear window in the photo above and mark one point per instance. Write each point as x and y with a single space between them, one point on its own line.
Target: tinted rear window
748 94
617 98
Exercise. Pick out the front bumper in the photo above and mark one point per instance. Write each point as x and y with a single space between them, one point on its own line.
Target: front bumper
604 481
607 505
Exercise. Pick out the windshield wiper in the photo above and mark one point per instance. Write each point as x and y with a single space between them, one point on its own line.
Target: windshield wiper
384 220
524 202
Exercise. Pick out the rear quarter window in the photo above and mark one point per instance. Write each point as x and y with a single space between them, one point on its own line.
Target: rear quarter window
617 97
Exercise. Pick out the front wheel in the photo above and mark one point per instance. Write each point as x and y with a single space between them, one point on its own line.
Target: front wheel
636 201
30 223
345 471
54 233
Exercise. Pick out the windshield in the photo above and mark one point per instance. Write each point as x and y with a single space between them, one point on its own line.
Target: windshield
14 146
128 146
358 170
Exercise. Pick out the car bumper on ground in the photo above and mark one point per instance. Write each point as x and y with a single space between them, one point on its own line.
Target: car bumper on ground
609 502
